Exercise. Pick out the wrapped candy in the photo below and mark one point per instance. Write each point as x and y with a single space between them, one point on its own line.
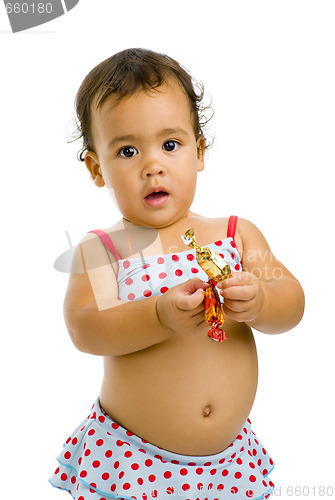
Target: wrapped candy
214 314
218 270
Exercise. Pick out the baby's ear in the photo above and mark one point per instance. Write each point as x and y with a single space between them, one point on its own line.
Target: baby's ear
201 148
93 166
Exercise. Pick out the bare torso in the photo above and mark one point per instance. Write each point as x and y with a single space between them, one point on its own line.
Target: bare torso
188 395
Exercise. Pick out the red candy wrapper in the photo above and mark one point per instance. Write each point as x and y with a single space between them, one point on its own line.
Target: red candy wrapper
218 270
214 314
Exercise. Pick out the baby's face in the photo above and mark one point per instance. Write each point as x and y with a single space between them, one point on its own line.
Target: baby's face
147 153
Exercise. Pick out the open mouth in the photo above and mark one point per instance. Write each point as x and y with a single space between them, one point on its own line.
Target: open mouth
156 198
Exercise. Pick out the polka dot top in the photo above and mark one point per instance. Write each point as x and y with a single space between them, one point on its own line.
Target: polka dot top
143 277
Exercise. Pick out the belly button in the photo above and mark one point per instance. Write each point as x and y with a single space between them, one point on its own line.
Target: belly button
207 411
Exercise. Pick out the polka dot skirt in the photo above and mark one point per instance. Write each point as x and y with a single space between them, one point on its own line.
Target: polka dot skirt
102 460
139 278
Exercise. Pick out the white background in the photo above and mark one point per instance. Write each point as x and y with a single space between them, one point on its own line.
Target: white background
269 69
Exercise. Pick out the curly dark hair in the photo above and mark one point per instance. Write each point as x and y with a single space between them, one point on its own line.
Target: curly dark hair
125 73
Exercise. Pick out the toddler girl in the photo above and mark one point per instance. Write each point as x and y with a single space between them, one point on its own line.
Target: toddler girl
172 416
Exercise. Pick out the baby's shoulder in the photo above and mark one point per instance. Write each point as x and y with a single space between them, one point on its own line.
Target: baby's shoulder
125 240
248 229
244 232
242 224
251 239
92 252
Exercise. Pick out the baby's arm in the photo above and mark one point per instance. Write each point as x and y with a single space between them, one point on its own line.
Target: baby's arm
265 295
100 324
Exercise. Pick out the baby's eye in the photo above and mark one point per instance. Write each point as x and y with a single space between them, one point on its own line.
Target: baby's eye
128 152
171 145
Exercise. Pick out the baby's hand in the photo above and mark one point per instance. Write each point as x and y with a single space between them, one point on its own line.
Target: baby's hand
243 296
181 308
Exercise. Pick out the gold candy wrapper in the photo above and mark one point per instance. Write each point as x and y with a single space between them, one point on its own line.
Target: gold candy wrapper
218 270
209 260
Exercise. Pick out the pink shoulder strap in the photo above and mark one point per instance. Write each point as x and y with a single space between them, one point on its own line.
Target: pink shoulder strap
232 225
107 242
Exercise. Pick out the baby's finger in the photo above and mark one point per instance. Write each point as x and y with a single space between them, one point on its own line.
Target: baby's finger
199 317
237 279
199 309
192 285
245 292
227 283
189 302
236 316
235 306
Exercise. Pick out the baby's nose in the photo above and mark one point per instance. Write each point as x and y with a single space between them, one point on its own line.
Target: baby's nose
153 167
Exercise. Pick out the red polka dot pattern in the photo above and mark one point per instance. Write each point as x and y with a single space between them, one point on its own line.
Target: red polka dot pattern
143 277
103 460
